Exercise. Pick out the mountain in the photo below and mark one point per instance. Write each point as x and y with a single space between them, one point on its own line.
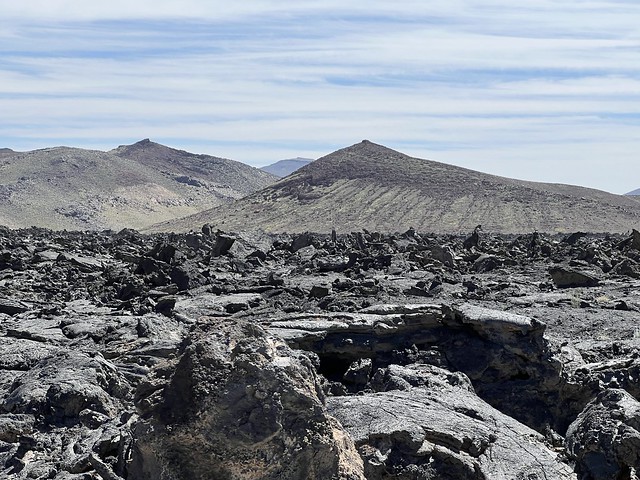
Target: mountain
131 186
6 152
373 187
636 192
227 177
283 168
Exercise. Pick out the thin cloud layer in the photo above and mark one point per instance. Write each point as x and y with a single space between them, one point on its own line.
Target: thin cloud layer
541 90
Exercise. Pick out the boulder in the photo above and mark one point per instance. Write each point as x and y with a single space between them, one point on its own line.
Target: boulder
604 440
427 423
12 307
223 244
239 404
59 387
565 277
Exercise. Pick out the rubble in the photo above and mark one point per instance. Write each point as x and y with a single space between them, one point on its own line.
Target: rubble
363 355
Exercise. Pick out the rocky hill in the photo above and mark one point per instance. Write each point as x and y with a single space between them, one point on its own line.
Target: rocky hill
373 187
6 152
132 186
283 168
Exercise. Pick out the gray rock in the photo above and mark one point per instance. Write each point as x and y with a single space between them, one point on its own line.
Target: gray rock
439 429
564 277
223 244
61 386
14 426
627 267
605 438
239 402
359 372
12 307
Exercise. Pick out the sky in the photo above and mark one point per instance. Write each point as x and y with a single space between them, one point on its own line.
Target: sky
536 89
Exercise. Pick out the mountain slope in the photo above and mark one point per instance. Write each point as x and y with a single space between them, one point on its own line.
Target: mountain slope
132 186
282 168
373 187
221 173
636 192
6 152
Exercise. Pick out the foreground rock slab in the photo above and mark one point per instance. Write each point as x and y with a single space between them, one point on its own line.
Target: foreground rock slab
431 425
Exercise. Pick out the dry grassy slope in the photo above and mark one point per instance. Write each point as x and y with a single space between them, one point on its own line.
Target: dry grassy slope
70 188
370 186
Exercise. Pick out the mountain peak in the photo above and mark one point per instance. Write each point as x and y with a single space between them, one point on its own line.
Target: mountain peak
5 152
371 186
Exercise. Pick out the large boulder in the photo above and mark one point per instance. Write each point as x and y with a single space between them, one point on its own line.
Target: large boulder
238 403
605 438
427 423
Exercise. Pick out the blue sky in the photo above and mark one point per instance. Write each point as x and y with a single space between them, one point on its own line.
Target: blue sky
541 90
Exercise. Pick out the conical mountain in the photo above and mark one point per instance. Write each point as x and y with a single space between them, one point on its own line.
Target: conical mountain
132 186
373 187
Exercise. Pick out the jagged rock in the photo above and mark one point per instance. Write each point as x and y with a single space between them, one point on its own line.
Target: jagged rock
627 267
444 254
473 240
12 427
223 244
605 438
574 238
12 307
486 263
165 305
61 386
319 291
238 402
301 241
359 372
505 355
567 278
429 424
84 264
89 336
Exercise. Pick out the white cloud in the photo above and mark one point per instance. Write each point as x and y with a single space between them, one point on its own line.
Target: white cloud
480 83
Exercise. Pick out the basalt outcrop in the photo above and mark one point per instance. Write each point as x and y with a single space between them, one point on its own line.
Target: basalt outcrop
362 355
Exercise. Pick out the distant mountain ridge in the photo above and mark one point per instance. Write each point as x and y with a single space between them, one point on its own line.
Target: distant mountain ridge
634 192
5 152
131 186
283 168
373 187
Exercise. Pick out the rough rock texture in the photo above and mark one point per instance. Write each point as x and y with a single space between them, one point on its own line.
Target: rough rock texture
428 423
238 404
605 438
218 355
